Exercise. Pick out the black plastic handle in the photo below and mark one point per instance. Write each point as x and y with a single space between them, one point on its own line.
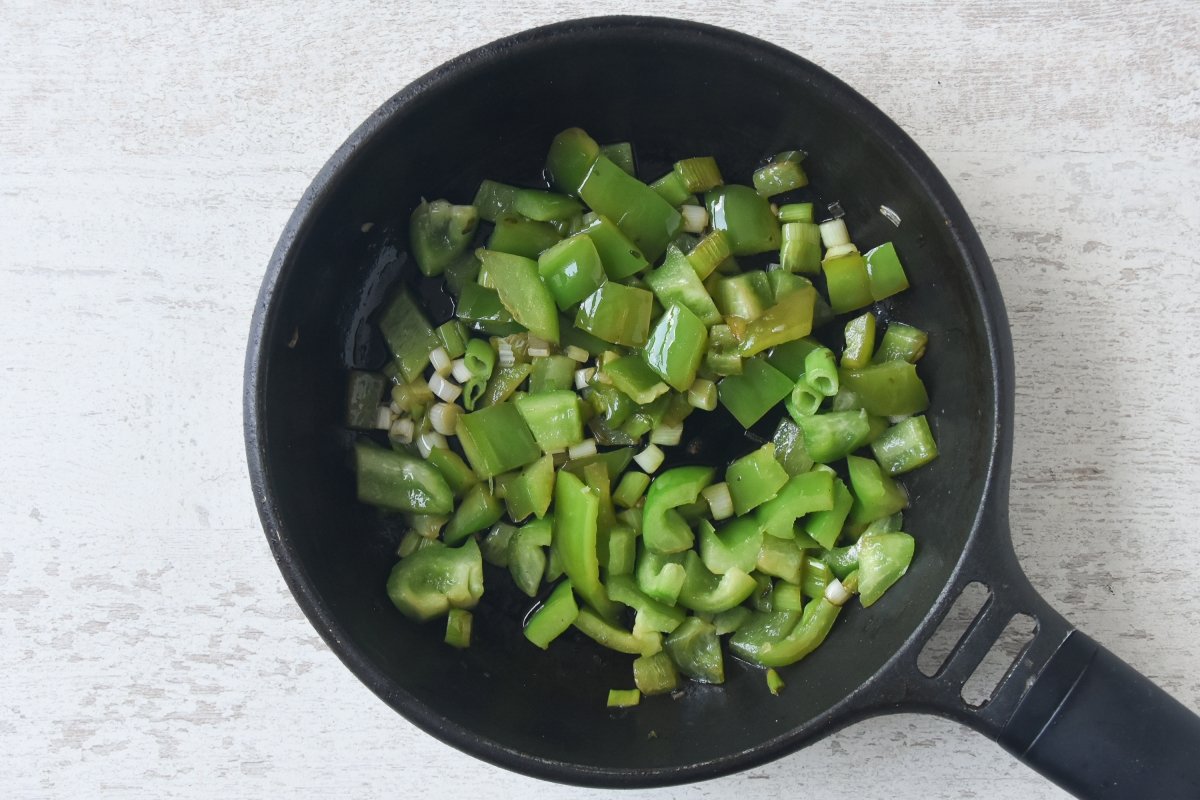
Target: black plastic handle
1068 708
1100 729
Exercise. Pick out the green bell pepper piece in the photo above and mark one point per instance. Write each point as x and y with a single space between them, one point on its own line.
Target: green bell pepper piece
522 292
496 439
634 378
571 155
543 206
621 154
676 282
652 614
615 460
711 594
676 347
576 509
494 200
610 403
649 221
433 580
884 272
782 174
617 313
458 475
901 343
622 552
623 698
890 389
860 342
802 494
761 629
555 419
789 357
408 334
789 319
522 237
458 628
439 232
875 494
631 488
905 446
608 635
655 674
620 256
670 187
663 529
750 395
532 491
816 576
833 435
453 336
494 546
732 620
735 546
754 479
480 308
696 651
825 526
552 373
553 617
396 481
746 217
883 558
660 576
815 623
787 596
789 448
571 270
846 282
781 558
747 295
527 554
478 511
364 392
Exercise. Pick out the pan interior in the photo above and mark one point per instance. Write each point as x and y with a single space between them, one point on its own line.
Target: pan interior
673 92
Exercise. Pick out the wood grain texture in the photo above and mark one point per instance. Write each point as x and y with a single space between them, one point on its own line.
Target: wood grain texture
150 155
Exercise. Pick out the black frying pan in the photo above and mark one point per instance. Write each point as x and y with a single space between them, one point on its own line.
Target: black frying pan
1068 707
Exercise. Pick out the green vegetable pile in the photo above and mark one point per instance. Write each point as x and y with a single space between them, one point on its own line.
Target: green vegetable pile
594 321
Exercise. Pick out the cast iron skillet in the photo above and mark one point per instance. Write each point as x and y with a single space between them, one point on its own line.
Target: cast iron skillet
1068 707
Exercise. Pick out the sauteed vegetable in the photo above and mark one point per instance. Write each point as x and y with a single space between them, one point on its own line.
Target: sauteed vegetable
545 428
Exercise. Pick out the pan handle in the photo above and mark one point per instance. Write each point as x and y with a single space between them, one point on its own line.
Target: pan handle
1068 707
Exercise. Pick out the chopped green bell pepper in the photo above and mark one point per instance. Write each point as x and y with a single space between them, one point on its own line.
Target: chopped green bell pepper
696 651
746 217
571 270
576 509
439 232
655 674
527 554
846 282
522 292
496 439
789 319
834 434
754 479
478 511
660 576
884 272
901 343
364 391
433 580
676 347
494 200
676 282
607 634
543 206
860 342
663 529
553 618
571 155
875 494
750 395
552 373
620 256
617 313
735 546
707 593
531 491
408 334
781 558
802 494
789 448
825 526
521 237
555 419
800 250
649 221
763 628
652 614
905 446
396 481
890 389
458 475
883 558
480 308
746 296
634 378
782 174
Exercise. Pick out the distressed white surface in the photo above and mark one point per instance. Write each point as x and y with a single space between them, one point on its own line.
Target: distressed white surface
149 156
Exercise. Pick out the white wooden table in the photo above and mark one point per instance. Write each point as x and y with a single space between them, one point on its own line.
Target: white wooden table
149 156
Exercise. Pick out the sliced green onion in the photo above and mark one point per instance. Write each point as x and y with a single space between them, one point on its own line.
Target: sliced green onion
699 174
623 698
796 212
703 394
458 628
834 233
720 501
650 459
695 218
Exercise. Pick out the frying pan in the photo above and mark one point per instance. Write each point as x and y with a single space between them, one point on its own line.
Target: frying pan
1067 707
